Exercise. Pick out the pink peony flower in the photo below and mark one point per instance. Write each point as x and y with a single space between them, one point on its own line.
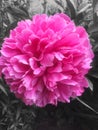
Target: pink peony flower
45 60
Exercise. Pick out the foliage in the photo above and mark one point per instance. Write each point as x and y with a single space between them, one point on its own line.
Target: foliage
14 115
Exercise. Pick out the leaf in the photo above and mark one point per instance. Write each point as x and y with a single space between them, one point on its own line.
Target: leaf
83 7
95 48
93 31
86 105
18 113
95 11
95 5
11 26
36 7
1 21
90 84
3 90
75 3
17 12
72 8
10 17
94 74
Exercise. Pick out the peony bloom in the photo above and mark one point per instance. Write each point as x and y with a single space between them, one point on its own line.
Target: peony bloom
45 60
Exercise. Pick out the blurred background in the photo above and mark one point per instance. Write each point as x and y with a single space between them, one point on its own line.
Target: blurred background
81 114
